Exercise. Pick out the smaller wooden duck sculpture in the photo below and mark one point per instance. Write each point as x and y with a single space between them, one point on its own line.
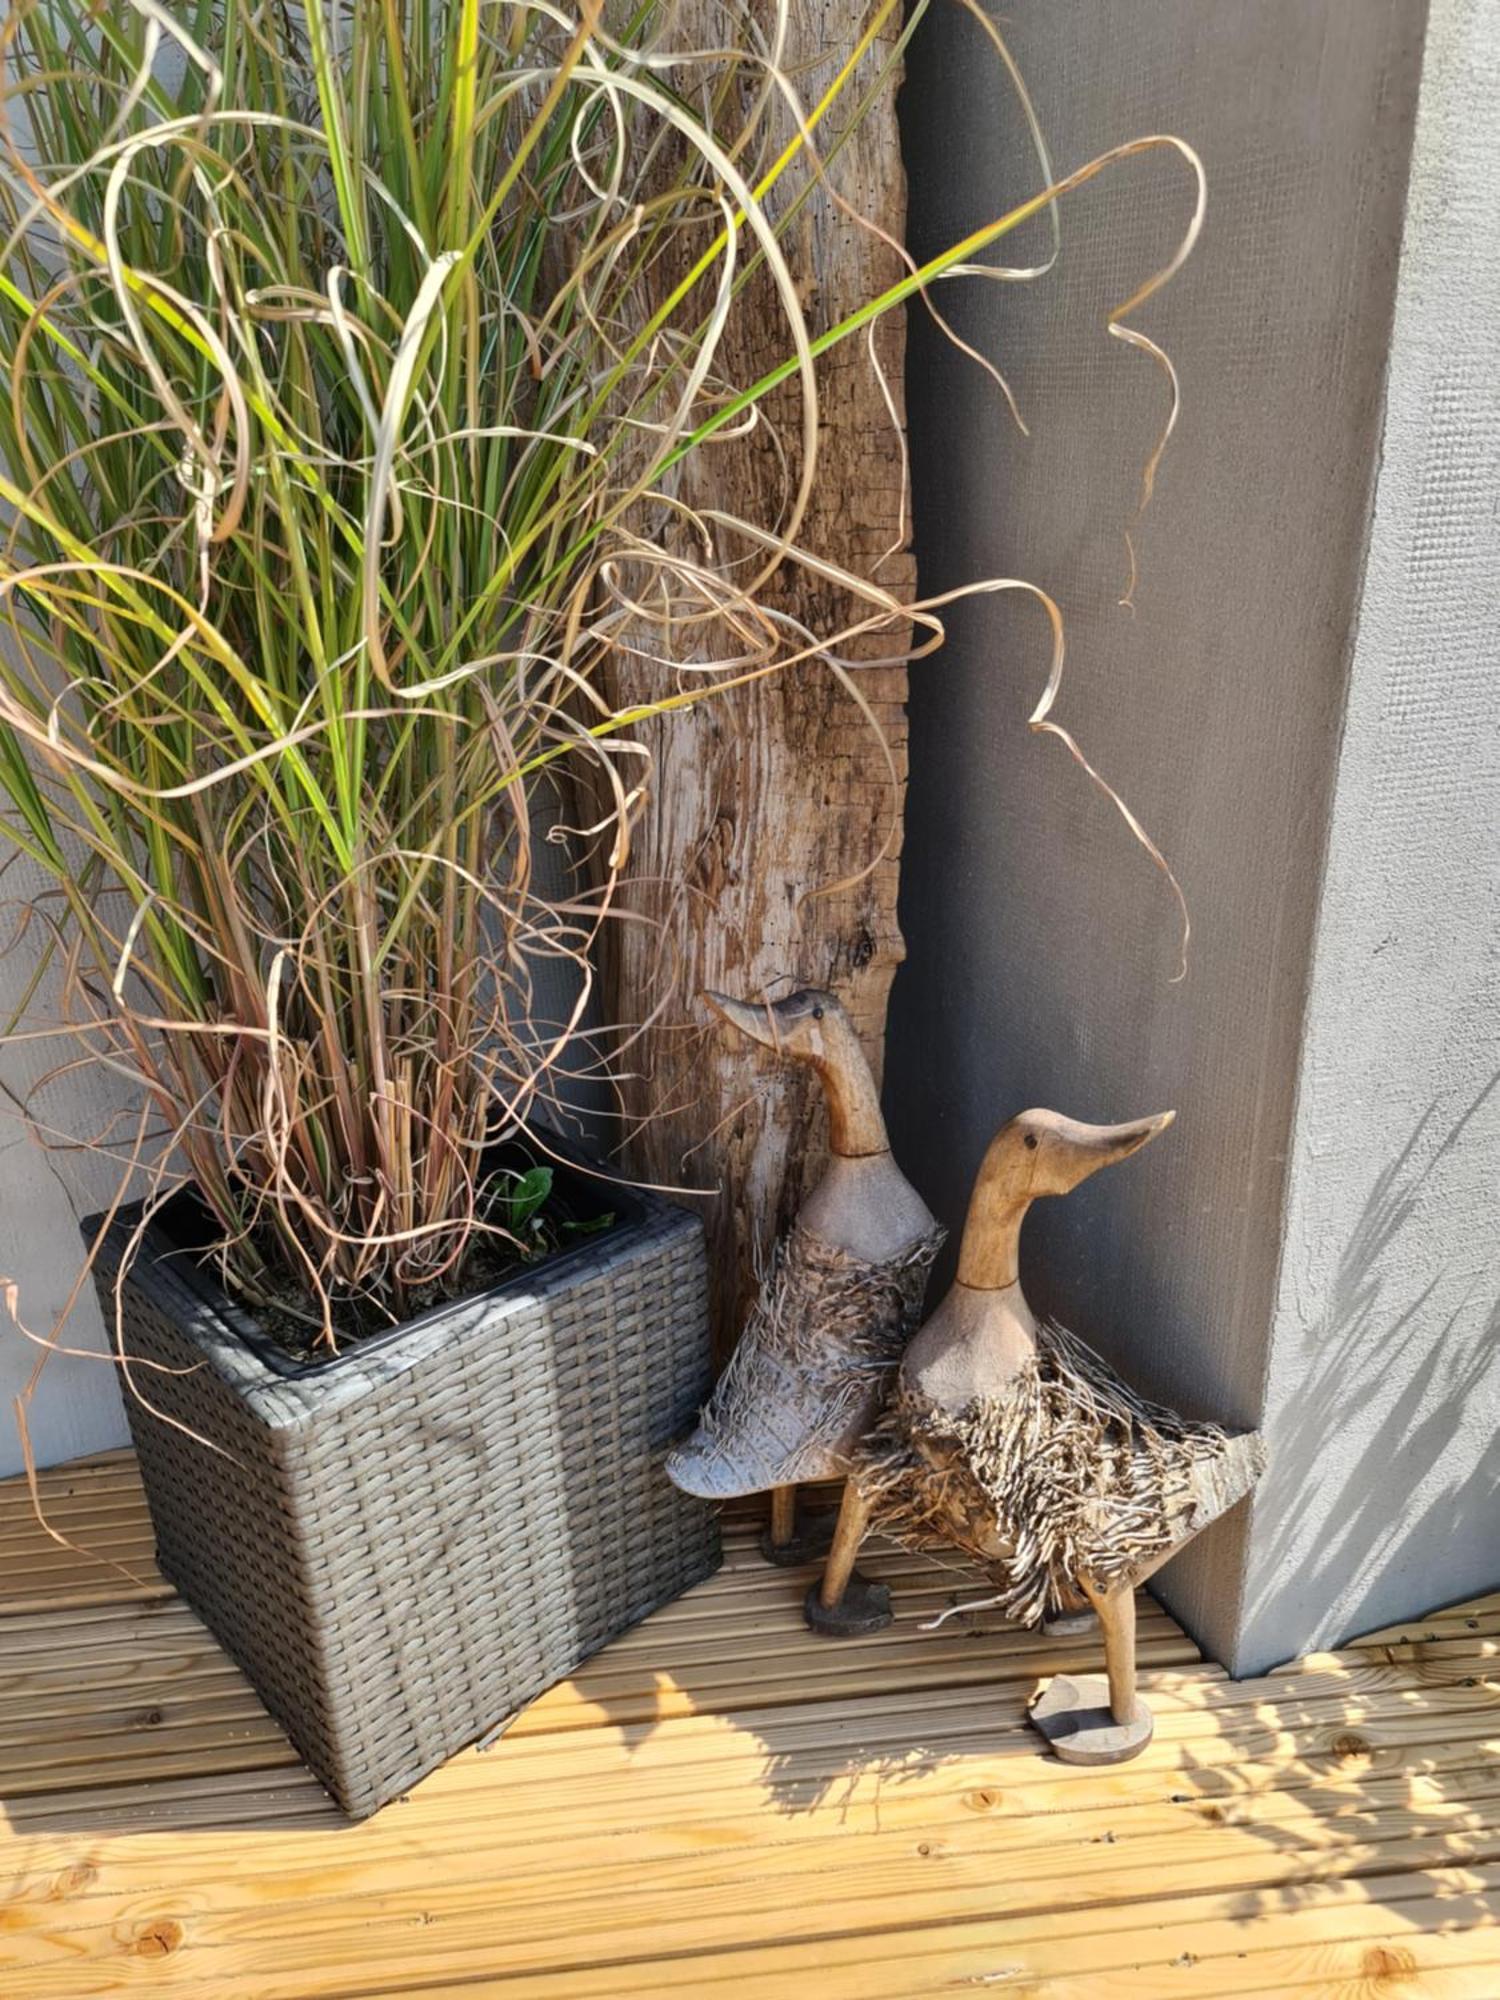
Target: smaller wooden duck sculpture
1016 1443
842 1298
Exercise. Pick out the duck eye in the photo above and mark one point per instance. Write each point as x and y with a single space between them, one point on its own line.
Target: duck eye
817 1013
1031 1140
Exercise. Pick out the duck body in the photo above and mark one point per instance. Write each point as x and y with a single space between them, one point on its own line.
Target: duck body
842 1295
810 1370
1015 1441
1065 1477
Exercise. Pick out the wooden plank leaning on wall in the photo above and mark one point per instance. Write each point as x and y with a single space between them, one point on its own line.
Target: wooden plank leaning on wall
781 788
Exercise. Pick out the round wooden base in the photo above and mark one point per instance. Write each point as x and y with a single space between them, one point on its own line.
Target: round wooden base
865 1607
811 1542
1074 1715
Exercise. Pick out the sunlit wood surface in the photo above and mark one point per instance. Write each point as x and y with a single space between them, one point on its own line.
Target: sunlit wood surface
722 1804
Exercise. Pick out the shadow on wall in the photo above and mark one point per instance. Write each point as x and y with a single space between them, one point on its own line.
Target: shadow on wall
1382 1500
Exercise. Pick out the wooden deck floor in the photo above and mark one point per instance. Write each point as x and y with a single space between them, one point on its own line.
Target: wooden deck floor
722 1804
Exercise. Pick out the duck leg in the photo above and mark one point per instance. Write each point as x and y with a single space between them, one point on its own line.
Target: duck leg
787 1542
1089 1720
1116 1609
842 1604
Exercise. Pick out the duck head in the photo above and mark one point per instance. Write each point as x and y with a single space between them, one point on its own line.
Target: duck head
811 1027
1055 1153
1036 1153
804 1027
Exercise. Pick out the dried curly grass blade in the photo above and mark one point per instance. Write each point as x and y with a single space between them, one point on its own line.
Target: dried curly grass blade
350 394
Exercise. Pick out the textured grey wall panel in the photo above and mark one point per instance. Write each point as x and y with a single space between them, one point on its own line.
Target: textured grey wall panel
1042 941
1384 1388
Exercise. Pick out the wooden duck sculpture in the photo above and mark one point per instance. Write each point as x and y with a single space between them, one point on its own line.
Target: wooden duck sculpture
1019 1445
843 1296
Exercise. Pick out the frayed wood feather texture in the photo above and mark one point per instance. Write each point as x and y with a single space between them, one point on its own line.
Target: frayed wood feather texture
812 1365
1068 1474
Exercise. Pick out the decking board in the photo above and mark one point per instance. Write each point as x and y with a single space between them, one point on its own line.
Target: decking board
723 1803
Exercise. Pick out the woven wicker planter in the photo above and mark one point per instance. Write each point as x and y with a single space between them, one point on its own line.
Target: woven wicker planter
403 1545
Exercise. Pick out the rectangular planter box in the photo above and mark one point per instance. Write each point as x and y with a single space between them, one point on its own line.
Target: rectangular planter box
403 1545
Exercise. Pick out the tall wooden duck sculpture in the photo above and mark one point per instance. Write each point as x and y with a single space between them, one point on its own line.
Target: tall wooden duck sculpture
842 1298
1016 1443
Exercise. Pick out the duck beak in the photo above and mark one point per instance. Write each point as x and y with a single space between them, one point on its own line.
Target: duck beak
1096 1146
752 1021
1118 1142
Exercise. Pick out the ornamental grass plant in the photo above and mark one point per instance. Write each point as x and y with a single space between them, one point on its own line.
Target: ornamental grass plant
355 355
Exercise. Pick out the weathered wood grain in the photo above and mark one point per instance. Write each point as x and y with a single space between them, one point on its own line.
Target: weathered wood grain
778 790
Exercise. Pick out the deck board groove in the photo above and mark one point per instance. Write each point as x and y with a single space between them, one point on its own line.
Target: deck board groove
722 1804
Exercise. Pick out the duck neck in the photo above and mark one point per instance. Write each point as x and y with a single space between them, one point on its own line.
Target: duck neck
989 1258
856 1129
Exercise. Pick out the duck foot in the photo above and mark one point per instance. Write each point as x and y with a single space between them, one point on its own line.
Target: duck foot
1071 1624
808 1542
864 1607
1074 1715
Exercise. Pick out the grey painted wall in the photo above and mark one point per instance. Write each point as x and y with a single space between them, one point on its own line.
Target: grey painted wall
1042 941
1383 1398
77 1406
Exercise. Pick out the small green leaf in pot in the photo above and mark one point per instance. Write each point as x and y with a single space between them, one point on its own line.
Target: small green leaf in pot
524 1196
